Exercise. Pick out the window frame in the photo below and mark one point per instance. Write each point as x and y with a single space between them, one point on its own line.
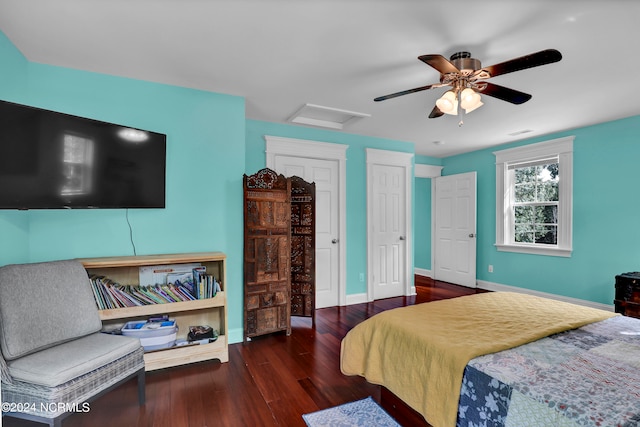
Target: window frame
562 148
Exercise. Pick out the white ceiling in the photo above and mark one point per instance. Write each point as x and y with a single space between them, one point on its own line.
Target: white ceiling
282 54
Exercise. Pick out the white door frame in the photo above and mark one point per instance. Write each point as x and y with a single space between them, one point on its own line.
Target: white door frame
277 145
390 158
430 171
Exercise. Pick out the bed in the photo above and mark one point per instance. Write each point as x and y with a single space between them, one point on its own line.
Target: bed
503 359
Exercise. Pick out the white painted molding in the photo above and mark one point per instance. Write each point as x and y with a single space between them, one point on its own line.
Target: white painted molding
281 146
561 147
357 299
422 272
433 226
302 148
388 157
539 150
427 171
497 287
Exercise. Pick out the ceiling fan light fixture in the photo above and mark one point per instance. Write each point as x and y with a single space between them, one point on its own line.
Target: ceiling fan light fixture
448 103
476 106
470 100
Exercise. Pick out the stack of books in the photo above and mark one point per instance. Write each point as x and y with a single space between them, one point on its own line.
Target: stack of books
196 285
204 285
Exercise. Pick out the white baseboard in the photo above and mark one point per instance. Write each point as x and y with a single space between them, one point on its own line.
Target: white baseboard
490 286
422 272
357 299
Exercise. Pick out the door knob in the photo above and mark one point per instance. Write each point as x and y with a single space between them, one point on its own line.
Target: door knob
401 237
334 241
472 235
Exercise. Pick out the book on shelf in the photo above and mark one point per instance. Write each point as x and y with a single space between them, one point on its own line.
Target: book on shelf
163 274
109 294
204 285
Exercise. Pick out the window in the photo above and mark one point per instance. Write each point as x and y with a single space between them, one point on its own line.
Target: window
534 198
77 159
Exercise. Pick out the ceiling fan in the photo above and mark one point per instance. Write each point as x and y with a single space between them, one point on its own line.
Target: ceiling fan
467 78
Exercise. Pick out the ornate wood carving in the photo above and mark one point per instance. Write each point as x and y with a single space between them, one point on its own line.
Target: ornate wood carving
267 254
303 247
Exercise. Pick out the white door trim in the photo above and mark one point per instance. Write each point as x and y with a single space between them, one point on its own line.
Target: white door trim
431 171
390 158
277 145
427 171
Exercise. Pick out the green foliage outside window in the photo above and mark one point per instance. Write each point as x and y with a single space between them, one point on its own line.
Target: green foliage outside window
536 204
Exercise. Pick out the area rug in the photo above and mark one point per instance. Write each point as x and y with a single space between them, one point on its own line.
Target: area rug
364 413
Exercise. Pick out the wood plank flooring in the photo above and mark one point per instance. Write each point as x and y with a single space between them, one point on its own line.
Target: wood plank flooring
269 382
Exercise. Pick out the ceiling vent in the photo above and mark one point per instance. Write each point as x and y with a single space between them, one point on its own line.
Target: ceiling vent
327 117
520 132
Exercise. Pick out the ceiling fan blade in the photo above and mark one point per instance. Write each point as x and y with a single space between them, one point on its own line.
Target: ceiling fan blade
504 93
440 63
528 61
435 113
405 92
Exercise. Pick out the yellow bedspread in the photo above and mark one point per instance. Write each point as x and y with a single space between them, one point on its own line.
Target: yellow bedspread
419 352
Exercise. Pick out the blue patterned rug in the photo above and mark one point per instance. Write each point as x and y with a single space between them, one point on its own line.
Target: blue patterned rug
364 413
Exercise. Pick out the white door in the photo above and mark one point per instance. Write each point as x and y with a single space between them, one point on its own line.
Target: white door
325 175
388 216
389 244
455 229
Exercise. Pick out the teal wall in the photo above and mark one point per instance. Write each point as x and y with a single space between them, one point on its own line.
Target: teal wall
205 161
422 223
210 144
606 213
422 217
356 181
14 225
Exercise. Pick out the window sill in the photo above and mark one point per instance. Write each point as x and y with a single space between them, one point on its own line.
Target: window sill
536 250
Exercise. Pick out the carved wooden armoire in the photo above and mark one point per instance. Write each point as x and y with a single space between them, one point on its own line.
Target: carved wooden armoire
303 248
267 253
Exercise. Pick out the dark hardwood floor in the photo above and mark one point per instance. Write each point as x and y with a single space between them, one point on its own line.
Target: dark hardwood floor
270 381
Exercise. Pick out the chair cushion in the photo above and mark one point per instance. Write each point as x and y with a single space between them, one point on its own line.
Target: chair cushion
44 304
64 362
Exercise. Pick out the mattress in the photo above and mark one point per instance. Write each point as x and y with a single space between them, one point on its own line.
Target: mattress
420 352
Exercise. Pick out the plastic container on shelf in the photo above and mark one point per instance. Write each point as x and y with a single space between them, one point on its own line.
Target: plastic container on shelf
152 335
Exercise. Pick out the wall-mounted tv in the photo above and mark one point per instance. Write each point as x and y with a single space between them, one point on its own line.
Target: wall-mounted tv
51 160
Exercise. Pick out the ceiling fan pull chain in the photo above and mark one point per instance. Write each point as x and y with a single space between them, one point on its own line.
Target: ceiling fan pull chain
460 111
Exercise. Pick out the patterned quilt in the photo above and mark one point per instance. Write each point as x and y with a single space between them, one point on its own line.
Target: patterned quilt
588 376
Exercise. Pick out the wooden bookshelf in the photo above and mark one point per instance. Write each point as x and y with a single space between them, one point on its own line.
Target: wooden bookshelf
209 311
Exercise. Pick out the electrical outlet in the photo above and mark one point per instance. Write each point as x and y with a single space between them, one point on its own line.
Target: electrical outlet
490 268
362 277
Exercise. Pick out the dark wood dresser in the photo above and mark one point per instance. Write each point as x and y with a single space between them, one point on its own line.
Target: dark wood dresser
627 300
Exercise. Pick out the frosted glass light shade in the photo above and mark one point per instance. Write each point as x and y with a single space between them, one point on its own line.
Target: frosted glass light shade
470 100
448 103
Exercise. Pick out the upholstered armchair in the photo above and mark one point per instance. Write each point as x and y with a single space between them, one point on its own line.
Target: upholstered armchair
54 358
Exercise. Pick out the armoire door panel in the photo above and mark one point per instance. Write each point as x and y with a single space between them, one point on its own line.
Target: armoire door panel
267 235
303 234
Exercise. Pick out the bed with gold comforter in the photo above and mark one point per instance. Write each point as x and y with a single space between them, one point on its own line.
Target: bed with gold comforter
445 360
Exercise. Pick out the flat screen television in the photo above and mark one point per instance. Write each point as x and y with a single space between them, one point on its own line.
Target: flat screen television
52 160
